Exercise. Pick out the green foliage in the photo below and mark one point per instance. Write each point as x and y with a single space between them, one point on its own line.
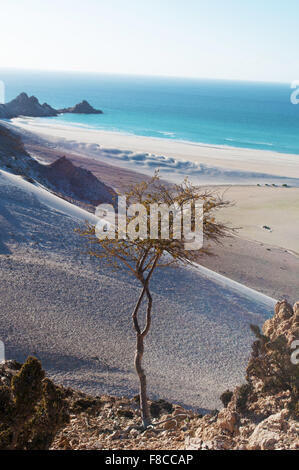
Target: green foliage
32 409
226 397
160 406
27 388
141 253
85 404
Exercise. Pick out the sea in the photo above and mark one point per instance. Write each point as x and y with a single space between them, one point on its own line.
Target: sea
252 115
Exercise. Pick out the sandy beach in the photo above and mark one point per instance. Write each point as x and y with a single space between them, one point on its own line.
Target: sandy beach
263 213
202 163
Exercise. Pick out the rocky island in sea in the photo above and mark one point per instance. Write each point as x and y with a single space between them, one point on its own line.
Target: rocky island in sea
23 105
81 108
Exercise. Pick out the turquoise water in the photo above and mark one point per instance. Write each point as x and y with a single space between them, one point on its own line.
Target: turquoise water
238 114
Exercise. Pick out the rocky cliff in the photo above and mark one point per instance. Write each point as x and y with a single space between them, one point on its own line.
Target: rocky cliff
76 182
261 414
23 105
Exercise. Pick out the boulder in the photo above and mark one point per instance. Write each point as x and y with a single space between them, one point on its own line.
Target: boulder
269 432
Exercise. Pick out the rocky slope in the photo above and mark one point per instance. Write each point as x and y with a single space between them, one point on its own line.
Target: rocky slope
81 108
23 105
261 414
67 180
77 183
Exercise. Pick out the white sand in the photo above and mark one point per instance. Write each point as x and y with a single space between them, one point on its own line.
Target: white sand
74 315
220 163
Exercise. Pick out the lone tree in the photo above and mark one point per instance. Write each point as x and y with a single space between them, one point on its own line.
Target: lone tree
154 242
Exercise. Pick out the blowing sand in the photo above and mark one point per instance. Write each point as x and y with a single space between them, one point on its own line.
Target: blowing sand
75 315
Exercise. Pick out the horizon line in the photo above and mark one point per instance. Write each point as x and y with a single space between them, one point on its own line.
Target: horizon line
141 75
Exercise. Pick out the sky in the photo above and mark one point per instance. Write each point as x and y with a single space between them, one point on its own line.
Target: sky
232 39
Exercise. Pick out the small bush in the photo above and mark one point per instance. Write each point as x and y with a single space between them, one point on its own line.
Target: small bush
226 397
125 413
32 409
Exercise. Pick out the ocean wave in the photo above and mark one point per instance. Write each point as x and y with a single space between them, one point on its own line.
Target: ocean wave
248 142
166 133
228 142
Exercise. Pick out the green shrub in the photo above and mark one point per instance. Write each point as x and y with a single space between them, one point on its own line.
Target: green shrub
242 397
32 409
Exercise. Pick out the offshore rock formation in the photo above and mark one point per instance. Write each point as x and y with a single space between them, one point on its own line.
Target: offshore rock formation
24 105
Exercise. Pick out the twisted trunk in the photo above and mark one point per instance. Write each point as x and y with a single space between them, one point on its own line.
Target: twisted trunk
145 414
140 335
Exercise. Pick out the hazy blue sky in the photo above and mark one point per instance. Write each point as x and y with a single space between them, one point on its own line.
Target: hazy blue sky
237 39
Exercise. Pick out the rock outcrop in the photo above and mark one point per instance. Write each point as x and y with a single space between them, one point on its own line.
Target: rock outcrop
81 108
11 145
23 105
75 184
285 322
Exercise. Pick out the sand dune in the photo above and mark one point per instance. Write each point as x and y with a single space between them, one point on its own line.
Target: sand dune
57 304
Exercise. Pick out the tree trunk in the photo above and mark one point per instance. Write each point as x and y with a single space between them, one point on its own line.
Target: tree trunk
140 335
142 379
